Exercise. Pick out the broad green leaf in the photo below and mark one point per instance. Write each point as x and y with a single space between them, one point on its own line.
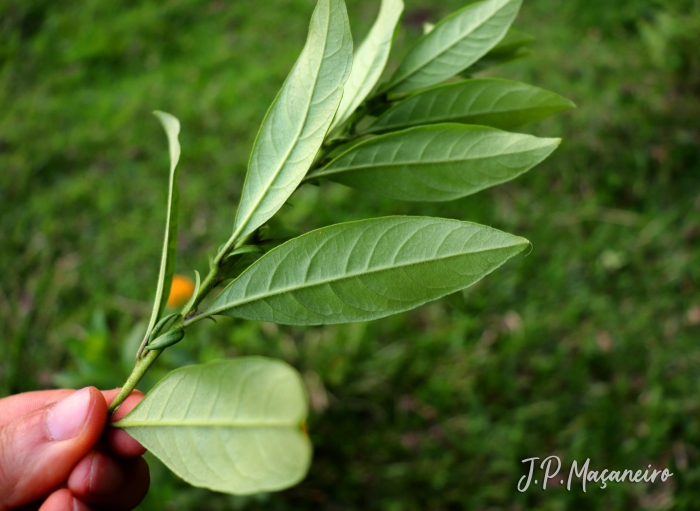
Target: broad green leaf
486 101
365 270
454 44
234 426
370 60
299 118
437 163
167 261
512 47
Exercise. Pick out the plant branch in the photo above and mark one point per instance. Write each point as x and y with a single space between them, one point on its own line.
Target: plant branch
142 365
146 358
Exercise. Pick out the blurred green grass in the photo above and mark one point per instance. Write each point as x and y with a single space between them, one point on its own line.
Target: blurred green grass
585 348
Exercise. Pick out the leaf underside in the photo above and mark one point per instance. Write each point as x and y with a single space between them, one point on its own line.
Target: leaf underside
437 163
513 46
167 264
299 118
502 104
370 59
454 44
233 426
365 270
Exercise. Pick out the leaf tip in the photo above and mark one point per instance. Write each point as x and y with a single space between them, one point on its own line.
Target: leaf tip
169 122
521 244
552 143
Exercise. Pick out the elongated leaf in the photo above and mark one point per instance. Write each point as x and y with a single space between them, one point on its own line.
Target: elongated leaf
454 44
489 61
513 40
233 426
437 163
370 59
161 324
298 119
364 270
486 101
167 261
247 249
166 340
512 47
195 293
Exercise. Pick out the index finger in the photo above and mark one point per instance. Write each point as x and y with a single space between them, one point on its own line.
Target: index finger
118 441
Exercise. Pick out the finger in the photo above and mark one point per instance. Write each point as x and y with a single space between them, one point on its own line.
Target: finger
63 500
15 406
39 450
112 483
119 441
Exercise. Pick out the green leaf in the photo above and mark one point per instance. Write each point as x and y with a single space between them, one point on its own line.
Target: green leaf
512 47
370 59
486 101
195 293
365 270
161 324
489 61
233 426
513 40
454 44
167 261
437 163
247 249
299 118
167 339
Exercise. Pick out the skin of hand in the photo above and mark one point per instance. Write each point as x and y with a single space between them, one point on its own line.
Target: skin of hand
56 455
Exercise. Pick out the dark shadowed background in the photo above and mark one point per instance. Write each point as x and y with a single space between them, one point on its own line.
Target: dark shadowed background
588 347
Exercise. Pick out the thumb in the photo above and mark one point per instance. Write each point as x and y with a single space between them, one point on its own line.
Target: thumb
39 449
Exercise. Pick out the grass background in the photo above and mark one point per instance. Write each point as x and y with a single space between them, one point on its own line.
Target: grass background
585 348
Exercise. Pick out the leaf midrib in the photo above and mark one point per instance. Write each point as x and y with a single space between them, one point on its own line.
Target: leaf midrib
268 185
220 423
263 296
417 163
452 119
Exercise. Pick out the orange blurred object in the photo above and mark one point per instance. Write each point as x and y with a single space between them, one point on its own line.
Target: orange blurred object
180 291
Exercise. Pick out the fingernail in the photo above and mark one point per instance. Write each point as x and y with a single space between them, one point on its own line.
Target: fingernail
66 419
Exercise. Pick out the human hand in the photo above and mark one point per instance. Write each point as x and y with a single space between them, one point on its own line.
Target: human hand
55 454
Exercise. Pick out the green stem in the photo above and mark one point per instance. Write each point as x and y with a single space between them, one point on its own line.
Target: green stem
142 365
209 283
146 358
